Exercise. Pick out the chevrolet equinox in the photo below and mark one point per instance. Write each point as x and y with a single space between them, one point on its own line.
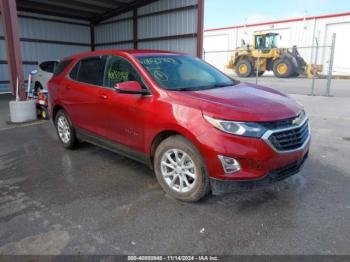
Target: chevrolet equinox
200 130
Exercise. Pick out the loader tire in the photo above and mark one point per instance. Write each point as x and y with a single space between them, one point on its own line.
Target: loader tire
244 68
283 68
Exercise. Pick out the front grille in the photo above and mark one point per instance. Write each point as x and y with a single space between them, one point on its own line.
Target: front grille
290 139
278 124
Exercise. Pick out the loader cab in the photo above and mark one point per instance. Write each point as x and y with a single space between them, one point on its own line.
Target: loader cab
266 42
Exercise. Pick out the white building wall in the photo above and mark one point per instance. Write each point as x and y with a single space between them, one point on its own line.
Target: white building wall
300 33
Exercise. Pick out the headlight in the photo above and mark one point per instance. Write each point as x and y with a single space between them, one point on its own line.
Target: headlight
249 129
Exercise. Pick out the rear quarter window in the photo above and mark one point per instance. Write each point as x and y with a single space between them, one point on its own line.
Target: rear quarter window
61 67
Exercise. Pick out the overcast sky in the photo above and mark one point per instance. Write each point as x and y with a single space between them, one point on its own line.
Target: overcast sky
220 13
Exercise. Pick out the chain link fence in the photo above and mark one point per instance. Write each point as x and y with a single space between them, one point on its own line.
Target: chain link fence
321 55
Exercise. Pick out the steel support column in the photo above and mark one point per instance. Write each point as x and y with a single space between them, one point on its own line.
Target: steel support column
135 28
92 37
200 28
12 43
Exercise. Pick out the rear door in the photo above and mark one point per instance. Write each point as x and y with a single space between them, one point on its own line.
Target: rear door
81 88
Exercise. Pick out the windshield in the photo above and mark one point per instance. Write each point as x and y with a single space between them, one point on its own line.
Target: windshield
266 42
182 73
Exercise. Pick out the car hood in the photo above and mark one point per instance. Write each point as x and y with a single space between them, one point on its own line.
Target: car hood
241 102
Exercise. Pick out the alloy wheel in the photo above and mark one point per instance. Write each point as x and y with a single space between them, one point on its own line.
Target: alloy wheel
178 170
63 129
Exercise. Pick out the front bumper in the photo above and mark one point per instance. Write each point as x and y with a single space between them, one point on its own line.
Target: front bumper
220 187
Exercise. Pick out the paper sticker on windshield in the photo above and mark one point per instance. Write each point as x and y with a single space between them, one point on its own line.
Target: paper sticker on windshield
158 61
161 76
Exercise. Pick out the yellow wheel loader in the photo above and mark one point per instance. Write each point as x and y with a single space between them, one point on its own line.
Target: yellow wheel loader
284 62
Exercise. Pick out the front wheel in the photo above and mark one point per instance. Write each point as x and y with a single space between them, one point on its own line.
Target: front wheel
180 169
244 68
65 130
283 68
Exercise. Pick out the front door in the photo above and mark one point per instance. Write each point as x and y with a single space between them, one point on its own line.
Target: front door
122 115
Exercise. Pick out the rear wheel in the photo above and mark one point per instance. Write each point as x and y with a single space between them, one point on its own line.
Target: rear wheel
180 169
283 68
244 68
65 130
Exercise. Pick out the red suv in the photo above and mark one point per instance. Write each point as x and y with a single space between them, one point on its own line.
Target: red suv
199 129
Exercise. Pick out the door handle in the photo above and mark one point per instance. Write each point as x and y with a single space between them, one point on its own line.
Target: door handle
103 97
68 87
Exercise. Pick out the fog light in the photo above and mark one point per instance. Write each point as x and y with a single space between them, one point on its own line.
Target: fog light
229 164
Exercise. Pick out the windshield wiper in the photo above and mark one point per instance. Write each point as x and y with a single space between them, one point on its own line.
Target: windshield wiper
223 85
182 89
227 84
199 88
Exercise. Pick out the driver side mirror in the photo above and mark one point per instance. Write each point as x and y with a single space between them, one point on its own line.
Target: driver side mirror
130 87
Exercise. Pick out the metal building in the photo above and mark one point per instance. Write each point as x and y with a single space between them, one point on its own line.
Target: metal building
58 28
299 31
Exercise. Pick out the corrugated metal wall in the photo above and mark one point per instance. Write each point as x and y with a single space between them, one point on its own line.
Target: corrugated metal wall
300 33
115 32
3 67
159 25
166 24
67 39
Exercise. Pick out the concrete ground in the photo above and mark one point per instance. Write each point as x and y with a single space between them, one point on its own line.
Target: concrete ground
92 201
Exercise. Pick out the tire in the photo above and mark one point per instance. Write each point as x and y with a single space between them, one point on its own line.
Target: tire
69 140
283 68
197 185
244 68
44 114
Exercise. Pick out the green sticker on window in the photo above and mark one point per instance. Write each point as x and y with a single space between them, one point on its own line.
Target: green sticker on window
118 76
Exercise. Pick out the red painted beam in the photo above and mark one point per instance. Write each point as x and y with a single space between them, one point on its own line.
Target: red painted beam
200 28
12 43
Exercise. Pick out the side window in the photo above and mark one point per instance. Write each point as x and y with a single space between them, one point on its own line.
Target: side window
120 70
47 66
74 72
61 66
91 70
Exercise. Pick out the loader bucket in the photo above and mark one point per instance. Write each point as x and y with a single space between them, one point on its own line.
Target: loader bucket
312 69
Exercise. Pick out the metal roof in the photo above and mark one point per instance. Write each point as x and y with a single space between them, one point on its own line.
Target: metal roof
89 10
